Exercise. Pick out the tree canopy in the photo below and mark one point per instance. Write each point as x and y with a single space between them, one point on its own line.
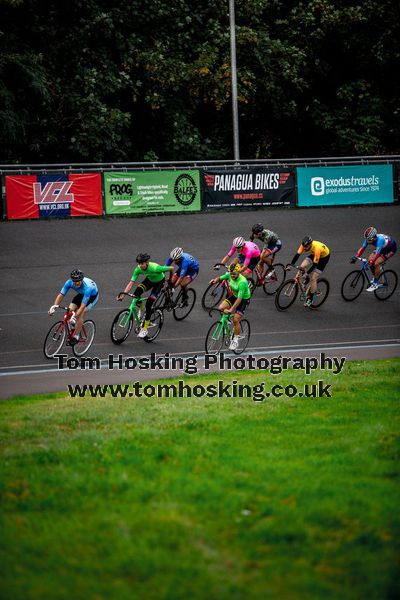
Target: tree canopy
134 80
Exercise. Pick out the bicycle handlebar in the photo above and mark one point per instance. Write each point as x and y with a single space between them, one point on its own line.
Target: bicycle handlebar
221 265
126 294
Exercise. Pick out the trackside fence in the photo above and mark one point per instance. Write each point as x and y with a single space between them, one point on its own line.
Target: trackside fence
114 189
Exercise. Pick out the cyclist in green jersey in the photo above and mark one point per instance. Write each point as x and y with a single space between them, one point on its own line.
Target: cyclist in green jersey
154 280
238 301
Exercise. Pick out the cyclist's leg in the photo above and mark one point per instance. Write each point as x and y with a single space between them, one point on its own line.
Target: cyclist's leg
239 312
74 305
155 290
186 281
378 267
236 320
225 304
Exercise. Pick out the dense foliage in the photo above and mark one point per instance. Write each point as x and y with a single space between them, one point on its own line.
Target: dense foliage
111 80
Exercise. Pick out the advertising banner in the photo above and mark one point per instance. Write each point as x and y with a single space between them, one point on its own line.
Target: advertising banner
248 188
153 191
330 186
52 195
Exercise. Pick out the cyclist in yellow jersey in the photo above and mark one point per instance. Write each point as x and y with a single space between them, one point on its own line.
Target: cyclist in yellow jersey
315 263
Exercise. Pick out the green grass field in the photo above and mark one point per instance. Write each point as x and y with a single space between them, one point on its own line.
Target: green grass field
205 498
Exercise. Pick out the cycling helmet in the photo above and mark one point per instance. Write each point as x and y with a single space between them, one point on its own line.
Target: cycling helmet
76 275
234 268
307 240
238 242
370 233
257 228
142 258
176 253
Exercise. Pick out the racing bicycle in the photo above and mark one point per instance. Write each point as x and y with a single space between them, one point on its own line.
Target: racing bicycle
221 332
62 331
289 290
354 283
132 317
181 307
271 279
215 292
270 282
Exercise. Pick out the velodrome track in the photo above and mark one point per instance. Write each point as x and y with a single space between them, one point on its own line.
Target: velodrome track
37 257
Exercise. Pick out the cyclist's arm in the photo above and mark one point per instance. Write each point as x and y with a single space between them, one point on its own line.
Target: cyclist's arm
296 256
67 285
128 287
58 299
361 250
228 256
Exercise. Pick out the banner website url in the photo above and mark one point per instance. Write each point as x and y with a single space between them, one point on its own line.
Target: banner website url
220 389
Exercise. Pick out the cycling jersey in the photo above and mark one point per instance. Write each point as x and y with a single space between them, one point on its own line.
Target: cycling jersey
249 251
240 286
317 250
154 272
88 289
384 245
268 237
187 265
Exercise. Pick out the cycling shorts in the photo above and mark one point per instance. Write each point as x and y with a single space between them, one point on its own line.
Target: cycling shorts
274 247
321 264
77 300
241 308
252 264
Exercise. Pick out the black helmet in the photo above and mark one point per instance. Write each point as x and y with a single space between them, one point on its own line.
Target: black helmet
307 240
257 228
76 275
142 257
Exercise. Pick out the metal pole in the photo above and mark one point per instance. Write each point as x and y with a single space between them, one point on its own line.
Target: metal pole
235 120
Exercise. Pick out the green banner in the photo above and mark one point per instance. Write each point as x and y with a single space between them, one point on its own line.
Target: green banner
141 192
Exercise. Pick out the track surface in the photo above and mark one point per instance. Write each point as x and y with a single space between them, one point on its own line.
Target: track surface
37 257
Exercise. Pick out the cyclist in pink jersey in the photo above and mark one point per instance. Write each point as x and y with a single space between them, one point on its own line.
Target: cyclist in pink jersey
248 255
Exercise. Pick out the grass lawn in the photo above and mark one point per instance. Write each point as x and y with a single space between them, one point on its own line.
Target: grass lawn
205 498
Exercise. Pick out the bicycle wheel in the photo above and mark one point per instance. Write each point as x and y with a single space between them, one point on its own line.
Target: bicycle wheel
321 294
388 280
54 339
88 332
121 326
184 307
213 295
215 338
244 336
352 286
155 325
276 278
286 294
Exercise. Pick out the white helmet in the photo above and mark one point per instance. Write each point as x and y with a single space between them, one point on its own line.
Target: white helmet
238 242
176 253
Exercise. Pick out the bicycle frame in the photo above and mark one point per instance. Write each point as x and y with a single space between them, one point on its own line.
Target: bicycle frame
132 309
223 326
365 268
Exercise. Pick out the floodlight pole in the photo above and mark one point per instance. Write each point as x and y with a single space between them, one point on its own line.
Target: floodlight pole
235 120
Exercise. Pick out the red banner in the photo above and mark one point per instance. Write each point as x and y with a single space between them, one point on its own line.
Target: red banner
44 196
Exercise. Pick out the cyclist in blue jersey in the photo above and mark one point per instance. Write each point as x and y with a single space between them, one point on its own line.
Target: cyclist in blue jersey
385 247
187 270
85 299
